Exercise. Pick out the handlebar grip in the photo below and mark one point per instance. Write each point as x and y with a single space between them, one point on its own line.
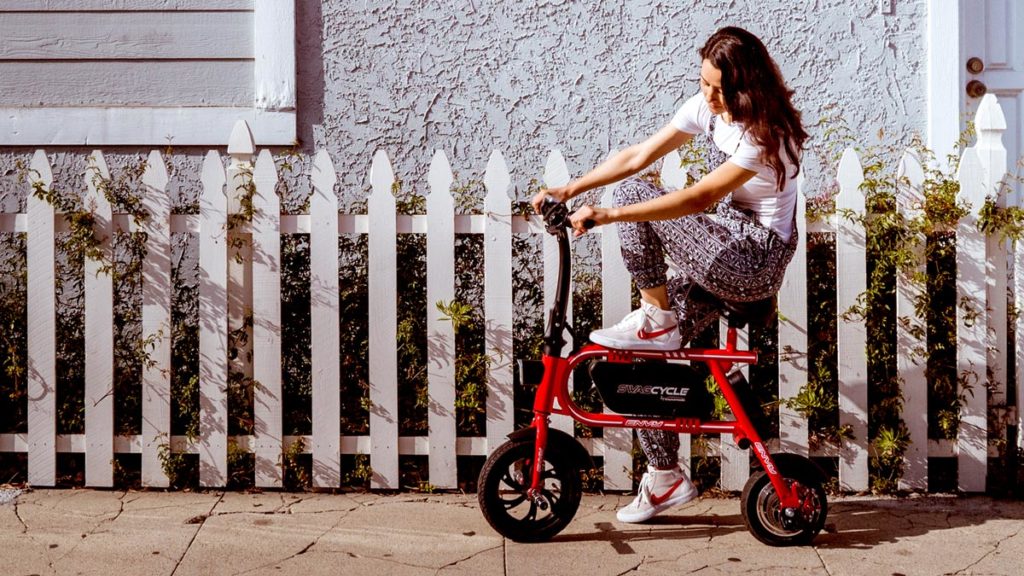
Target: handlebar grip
588 224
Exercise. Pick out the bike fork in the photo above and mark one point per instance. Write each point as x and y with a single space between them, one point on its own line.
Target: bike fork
543 404
745 433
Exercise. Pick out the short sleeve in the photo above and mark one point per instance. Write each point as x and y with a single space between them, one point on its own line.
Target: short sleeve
693 117
748 155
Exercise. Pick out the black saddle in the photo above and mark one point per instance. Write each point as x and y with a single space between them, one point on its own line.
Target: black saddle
739 314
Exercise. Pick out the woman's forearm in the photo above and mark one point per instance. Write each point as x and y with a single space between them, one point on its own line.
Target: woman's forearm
671 205
619 166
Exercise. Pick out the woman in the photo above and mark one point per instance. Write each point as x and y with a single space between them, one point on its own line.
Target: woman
755 137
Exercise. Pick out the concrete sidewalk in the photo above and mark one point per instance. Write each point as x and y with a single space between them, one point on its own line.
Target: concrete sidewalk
151 533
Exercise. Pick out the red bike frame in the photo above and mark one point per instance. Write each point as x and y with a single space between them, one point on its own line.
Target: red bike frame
553 397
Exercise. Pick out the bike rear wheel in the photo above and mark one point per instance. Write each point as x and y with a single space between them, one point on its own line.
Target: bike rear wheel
505 480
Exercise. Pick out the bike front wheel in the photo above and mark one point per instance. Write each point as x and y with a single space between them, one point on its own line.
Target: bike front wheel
769 523
505 480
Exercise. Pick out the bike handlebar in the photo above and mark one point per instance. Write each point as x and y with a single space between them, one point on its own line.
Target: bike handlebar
556 217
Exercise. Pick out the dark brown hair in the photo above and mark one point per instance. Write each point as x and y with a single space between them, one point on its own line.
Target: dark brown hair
757 97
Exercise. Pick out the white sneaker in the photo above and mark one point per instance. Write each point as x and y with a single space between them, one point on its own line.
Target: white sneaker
646 328
659 490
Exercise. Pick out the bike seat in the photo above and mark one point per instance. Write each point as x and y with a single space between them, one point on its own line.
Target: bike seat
757 313
739 314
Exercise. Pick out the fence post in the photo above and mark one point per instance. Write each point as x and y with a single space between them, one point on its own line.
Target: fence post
440 330
851 282
616 292
213 334
911 344
325 328
793 325
99 333
991 123
383 330
156 322
972 436
268 443
498 303
556 173
41 310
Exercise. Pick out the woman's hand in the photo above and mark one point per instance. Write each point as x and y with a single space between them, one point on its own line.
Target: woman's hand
559 194
589 216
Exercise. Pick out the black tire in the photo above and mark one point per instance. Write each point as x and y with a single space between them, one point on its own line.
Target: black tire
502 488
763 517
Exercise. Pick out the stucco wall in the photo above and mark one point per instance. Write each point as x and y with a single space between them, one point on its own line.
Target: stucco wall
471 76
587 77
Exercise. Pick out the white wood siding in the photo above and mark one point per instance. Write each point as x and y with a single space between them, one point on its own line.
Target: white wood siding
145 72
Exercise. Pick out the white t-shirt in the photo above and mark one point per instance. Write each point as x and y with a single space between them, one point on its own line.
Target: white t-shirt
774 208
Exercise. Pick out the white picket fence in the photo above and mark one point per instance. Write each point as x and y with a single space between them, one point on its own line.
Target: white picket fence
225 295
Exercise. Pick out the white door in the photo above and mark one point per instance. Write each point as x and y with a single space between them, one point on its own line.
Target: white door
992 60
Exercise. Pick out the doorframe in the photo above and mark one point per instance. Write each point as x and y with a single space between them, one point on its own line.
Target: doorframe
944 71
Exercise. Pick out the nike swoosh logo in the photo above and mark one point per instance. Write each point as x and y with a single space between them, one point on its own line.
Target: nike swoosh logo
657 500
644 335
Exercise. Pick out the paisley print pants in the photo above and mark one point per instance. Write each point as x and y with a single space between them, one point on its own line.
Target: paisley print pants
731 256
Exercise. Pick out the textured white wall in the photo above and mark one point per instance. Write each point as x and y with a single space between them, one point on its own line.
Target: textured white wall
468 76
588 77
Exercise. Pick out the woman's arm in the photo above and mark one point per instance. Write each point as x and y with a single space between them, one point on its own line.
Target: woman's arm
696 198
623 164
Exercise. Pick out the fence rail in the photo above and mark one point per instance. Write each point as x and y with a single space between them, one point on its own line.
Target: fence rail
229 286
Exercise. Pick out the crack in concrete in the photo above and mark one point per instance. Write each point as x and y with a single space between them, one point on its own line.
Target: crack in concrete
196 535
994 549
95 528
344 514
461 560
17 514
822 560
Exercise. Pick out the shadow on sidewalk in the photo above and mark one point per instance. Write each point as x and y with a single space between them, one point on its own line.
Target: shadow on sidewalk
857 524
867 523
665 527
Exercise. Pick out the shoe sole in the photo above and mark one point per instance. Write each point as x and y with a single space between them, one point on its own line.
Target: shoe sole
651 346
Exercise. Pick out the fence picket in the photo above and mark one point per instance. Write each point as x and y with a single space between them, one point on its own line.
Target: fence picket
673 177
156 321
792 343
556 173
990 124
383 331
735 461
240 193
440 330
99 333
972 436
616 292
911 345
213 333
498 303
851 281
41 310
266 327
1018 293
325 324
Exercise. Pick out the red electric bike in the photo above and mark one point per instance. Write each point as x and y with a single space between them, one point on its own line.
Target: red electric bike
530 487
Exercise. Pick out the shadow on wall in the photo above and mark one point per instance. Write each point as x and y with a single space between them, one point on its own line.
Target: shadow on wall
309 71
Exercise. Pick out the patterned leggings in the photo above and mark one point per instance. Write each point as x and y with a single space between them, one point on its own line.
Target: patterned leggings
732 257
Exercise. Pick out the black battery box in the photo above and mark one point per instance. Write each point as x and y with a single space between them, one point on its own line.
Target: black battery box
651 388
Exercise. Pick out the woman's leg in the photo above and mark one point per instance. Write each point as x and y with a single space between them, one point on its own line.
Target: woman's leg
731 257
